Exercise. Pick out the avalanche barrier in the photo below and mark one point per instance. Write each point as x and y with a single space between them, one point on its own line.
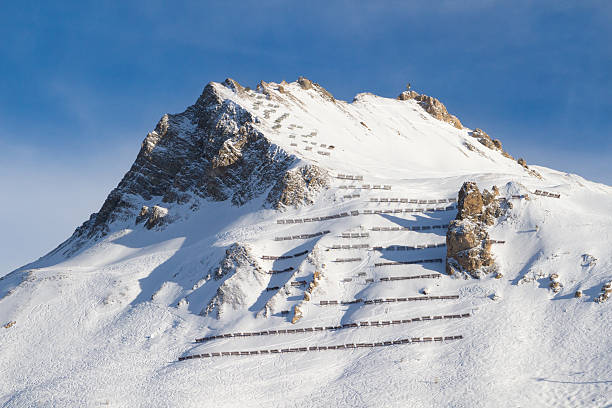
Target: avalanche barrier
375 323
346 346
387 300
435 260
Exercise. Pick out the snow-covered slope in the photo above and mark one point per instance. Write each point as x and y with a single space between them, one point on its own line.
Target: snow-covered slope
252 210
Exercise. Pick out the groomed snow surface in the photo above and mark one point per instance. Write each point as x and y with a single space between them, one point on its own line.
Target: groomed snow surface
107 327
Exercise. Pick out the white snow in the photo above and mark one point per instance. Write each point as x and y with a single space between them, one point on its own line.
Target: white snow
106 327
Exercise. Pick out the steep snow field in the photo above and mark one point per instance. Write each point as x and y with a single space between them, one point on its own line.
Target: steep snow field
107 326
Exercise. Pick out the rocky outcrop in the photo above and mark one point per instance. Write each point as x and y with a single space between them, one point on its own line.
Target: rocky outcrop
523 164
9 324
555 283
307 84
297 314
314 258
231 150
153 217
298 187
493 144
432 106
467 240
437 109
606 293
241 274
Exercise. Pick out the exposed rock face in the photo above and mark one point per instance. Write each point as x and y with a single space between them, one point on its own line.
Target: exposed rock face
470 201
231 151
155 216
606 293
523 163
209 152
467 240
433 106
143 214
315 260
297 314
307 84
298 187
485 140
437 109
242 273
555 283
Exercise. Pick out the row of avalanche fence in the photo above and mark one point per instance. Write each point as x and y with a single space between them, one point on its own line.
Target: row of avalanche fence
431 205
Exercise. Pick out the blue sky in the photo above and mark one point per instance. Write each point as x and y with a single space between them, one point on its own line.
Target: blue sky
81 83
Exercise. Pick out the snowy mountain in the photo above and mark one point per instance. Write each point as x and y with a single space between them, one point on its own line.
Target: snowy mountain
279 247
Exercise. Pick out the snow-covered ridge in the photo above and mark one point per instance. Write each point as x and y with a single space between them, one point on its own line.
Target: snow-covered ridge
235 143
282 210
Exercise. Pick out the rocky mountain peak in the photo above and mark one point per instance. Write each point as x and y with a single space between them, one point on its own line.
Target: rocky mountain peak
211 151
236 144
433 106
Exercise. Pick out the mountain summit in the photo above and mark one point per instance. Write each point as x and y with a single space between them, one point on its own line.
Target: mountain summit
280 246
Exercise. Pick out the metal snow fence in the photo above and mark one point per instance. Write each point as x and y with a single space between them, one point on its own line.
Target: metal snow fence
414 228
388 300
347 260
314 219
349 177
333 328
346 346
356 246
289 269
303 236
354 235
434 260
397 278
274 258
547 194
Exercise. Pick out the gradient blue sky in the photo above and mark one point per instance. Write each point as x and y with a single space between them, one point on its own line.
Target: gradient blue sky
81 83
